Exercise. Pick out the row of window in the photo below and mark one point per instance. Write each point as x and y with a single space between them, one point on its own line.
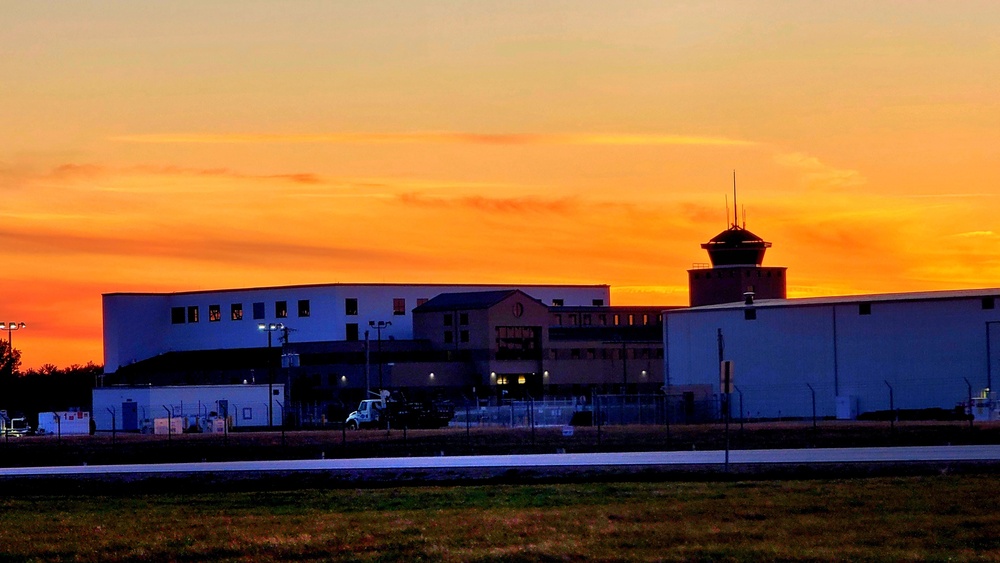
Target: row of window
605 353
733 273
192 314
587 319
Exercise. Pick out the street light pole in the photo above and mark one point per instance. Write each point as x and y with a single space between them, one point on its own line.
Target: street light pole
11 327
269 328
378 326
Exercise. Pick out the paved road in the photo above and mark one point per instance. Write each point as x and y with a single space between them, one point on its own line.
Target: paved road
578 461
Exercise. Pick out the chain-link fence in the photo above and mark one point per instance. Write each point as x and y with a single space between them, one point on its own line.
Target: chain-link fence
598 410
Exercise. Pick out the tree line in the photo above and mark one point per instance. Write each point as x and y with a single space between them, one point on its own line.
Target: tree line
46 388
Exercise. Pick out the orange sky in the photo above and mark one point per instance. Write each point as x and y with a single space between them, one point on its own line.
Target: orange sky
170 146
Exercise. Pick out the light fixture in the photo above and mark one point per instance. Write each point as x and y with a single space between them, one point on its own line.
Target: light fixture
545 373
432 375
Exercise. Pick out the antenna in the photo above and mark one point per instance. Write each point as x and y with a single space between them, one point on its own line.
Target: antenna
736 218
727 210
744 217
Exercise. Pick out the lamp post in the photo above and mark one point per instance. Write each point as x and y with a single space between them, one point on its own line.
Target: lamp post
11 327
269 328
378 326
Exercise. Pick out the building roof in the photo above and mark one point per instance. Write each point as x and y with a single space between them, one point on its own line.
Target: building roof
359 285
468 300
851 299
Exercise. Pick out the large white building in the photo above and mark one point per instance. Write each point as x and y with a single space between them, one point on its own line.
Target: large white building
854 353
139 326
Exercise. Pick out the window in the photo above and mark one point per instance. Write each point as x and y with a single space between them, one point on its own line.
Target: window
449 337
988 303
591 353
463 319
597 302
750 314
351 331
574 354
519 343
631 320
463 336
236 311
558 320
864 308
586 319
618 319
448 319
399 306
280 309
351 306
247 413
557 302
421 301
258 311
303 307
645 319
177 315
572 319
214 313
193 314
602 320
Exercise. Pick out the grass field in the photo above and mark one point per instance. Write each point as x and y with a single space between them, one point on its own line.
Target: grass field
942 517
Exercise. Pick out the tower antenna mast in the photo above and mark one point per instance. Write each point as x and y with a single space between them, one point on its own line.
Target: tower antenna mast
736 212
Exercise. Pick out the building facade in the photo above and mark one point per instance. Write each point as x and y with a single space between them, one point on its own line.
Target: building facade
853 355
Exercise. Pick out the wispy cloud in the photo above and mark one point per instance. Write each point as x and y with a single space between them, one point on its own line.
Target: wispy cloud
817 174
437 137
516 205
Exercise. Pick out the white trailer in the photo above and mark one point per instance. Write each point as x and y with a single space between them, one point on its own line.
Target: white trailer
64 423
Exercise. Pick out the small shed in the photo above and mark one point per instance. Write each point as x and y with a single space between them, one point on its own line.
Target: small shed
136 408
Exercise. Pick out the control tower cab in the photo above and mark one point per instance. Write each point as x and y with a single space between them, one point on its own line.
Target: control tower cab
736 272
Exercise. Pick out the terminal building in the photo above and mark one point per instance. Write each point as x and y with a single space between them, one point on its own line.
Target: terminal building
334 343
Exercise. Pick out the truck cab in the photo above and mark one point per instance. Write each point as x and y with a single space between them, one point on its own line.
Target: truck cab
369 414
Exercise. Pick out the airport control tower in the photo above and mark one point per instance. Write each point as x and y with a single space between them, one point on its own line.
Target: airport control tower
736 271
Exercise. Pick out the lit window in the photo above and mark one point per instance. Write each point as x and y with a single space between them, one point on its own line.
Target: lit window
351 306
617 319
521 380
193 314
399 306
645 319
236 311
281 309
631 320
303 307
214 313
177 315
258 311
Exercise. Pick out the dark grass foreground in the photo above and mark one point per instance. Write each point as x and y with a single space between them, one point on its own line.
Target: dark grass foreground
943 517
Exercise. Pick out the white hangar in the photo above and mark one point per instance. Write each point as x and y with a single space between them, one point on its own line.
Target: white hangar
138 326
855 354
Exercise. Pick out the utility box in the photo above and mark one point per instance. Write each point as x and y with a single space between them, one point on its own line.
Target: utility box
64 423
847 407
173 425
214 425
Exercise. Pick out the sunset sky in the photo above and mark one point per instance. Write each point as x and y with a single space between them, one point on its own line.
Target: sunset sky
179 145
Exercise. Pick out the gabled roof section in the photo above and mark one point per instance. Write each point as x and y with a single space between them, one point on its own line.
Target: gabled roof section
469 300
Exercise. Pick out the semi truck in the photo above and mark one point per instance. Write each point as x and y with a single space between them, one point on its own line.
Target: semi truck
394 411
